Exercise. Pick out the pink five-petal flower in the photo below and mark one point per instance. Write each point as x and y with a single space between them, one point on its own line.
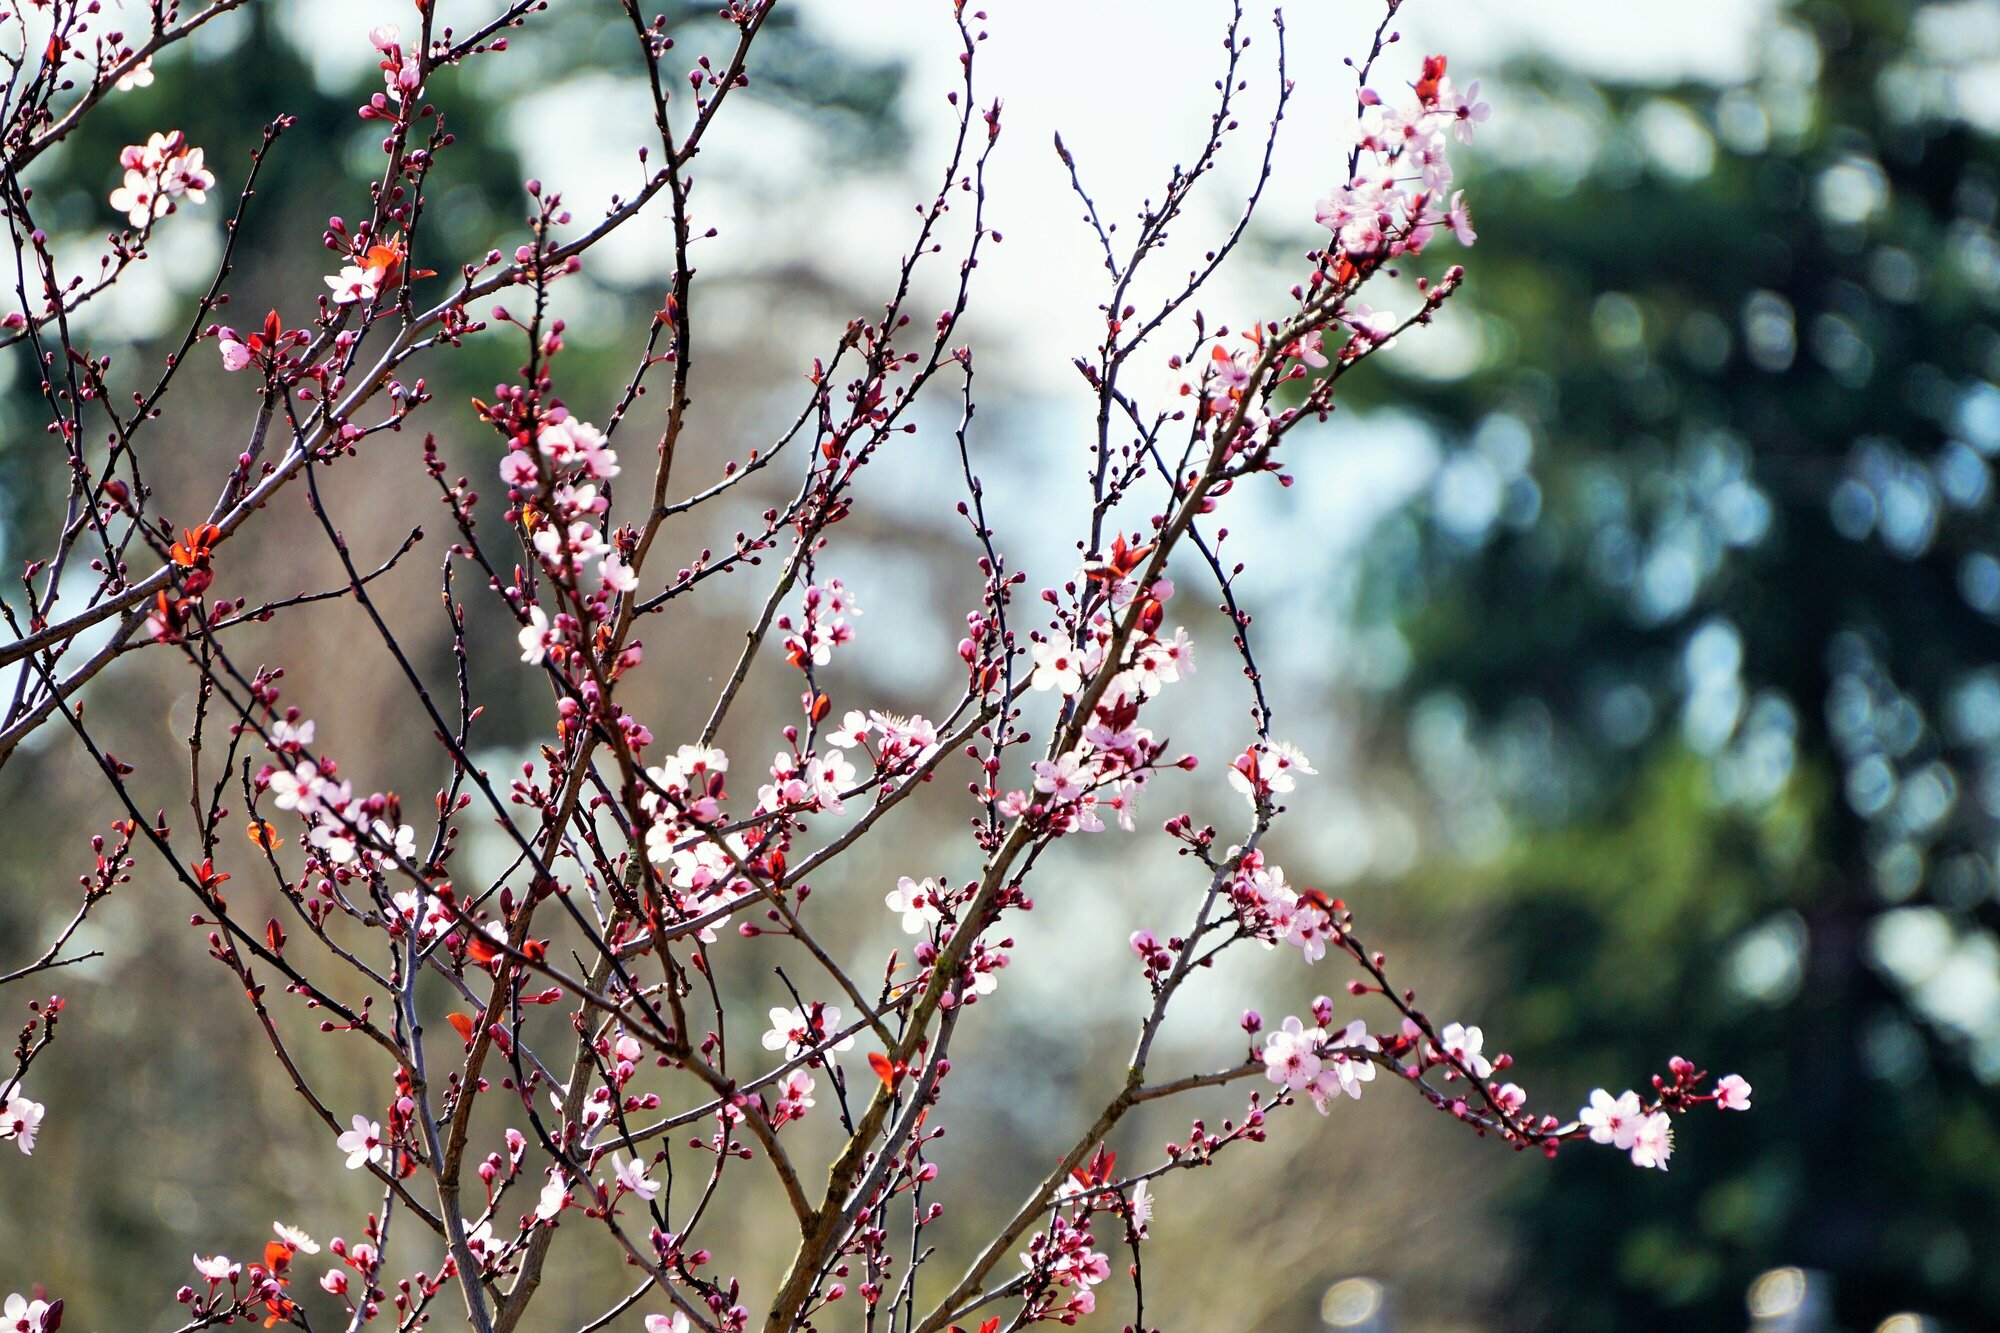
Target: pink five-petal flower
1612 1120
1653 1141
362 1144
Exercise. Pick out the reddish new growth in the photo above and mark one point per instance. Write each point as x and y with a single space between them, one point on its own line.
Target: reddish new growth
648 855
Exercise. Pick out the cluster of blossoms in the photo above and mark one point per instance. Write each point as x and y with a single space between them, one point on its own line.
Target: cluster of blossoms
562 467
928 908
402 67
1323 1064
1320 1064
164 168
821 627
1270 910
683 804
1066 1263
897 744
362 833
254 1288
375 264
20 1119
1109 767
1390 207
1646 1131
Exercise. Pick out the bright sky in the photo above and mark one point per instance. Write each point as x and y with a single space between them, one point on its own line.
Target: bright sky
1129 85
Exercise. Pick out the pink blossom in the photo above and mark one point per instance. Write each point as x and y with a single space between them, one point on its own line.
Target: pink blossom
362 1144
1653 1141
535 637
1063 779
617 575
1142 1207
632 1178
517 469
216 1269
1310 349
1733 1093
667 1323
1464 1045
21 1315
1058 667
1460 218
1612 1120
794 1033
794 1097
235 356
19 1121
554 1197
1465 109
1268 767
1290 1054
917 900
295 1238
1370 323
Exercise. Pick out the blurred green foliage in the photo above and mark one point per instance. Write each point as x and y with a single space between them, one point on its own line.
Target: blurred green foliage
1704 613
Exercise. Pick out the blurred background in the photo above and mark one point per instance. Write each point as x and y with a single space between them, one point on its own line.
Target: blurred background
1642 617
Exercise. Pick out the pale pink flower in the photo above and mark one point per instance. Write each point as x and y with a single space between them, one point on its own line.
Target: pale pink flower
1733 1093
21 1315
554 1198
535 637
1465 109
632 1178
917 900
1290 1058
1612 1120
355 285
1653 1141
1464 1045
792 1032
617 575
215 1269
235 356
1460 218
518 470
794 1097
1058 667
295 1238
1064 779
1142 1207
19 1121
362 1144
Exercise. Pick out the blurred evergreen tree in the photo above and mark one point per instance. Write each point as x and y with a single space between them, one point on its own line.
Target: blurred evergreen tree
1704 613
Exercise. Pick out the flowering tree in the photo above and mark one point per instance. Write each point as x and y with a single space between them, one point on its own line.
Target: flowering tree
539 1040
